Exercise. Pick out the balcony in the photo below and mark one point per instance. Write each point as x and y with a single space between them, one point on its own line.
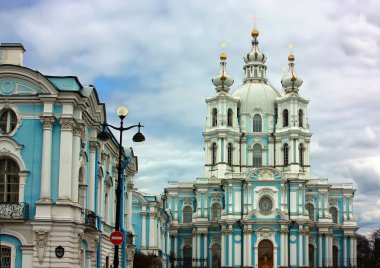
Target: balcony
89 218
14 211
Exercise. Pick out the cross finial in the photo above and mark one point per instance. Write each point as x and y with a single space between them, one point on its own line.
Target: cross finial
254 19
223 45
291 46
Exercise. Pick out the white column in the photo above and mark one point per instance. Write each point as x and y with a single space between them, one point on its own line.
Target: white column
344 250
249 248
143 231
245 245
75 169
307 249
47 124
66 158
151 229
205 247
282 248
354 251
320 249
198 245
300 248
175 197
223 248
91 179
351 249
230 246
129 204
175 246
206 205
194 246
327 249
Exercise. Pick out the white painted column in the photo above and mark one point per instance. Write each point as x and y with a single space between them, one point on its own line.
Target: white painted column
307 249
94 145
194 246
66 158
327 249
143 231
249 248
78 129
176 246
351 249
344 250
129 204
206 205
354 251
205 247
223 248
282 248
320 249
152 236
300 248
230 247
286 249
47 124
175 197
245 245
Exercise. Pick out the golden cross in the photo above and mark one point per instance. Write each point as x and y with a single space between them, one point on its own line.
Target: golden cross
291 46
223 45
254 19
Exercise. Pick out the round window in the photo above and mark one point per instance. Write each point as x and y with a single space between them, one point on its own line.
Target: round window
8 121
265 205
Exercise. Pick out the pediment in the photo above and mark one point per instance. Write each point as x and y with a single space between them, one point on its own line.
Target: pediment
265 174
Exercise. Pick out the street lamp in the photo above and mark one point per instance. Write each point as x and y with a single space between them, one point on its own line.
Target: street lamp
105 135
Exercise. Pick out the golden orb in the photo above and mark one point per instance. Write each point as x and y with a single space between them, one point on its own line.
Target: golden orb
293 79
255 33
223 56
291 57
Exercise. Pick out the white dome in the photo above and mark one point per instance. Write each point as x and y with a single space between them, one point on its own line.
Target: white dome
255 94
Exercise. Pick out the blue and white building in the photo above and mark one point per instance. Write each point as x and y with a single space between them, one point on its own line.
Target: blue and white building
57 182
257 204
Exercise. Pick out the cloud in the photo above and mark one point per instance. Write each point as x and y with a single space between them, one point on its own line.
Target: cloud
158 58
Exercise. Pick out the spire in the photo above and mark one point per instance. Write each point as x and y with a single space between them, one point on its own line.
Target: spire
255 68
222 81
290 81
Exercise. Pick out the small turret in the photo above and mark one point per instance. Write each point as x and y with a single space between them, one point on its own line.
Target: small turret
222 81
290 81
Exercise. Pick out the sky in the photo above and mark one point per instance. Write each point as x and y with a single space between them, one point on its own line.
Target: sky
158 58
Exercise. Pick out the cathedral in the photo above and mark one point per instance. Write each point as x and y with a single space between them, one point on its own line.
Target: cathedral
257 204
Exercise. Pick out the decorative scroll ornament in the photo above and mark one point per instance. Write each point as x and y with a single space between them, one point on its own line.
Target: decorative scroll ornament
333 202
188 201
41 238
79 129
265 174
47 122
5 152
187 242
216 240
67 123
309 198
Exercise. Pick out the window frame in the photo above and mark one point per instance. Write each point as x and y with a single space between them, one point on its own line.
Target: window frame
218 211
285 118
187 211
9 181
214 116
214 150
230 114
257 155
229 154
286 155
257 123
300 118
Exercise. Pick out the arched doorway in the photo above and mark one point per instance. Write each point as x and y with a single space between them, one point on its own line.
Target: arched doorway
265 254
335 256
187 257
311 256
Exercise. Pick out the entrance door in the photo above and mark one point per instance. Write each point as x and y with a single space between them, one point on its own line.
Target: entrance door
311 256
335 256
265 254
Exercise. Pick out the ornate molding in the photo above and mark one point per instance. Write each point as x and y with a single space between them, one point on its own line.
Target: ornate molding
333 202
67 124
41 239
79 129
188 201
47 122
93 146
310 198
187 242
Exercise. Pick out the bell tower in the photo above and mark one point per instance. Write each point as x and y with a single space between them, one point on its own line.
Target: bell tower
221 132
292 133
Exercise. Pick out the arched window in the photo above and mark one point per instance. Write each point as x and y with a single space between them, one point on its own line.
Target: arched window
334 214
9 180
285 118
216 254
187 215
229 154
286 154
310 210
257 155
300 117
213 154
230 118
301 149
257 123
187 257
214 117
215 212
6 256
8 121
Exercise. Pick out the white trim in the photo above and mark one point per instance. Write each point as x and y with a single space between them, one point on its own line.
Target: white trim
9 106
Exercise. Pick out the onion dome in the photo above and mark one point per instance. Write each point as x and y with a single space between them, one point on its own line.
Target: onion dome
255 56
222 81
255 68
290 81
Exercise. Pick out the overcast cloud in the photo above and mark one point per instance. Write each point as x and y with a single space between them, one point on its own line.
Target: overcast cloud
158 58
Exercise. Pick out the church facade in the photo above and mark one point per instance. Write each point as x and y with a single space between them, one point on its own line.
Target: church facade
257 204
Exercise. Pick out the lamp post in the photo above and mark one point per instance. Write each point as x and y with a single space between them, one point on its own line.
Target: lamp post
122 112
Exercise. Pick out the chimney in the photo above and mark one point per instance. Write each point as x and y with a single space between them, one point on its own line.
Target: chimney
12 53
